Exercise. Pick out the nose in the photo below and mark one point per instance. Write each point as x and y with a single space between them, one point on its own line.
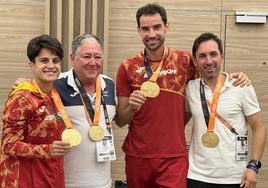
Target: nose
151 33
92 60
209 60
51 64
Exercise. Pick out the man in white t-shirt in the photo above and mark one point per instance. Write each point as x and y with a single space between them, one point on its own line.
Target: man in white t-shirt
218 152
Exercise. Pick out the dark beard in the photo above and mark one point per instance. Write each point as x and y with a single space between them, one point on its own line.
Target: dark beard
155 48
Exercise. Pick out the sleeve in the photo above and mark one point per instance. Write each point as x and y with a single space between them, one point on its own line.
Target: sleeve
122 84
15 115
250 103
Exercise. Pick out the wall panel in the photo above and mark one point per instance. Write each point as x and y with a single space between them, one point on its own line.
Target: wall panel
67 19
246 50
257 5
33 2
169 4
20 21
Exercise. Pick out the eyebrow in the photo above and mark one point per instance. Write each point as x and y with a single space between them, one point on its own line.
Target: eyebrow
152 26
44 58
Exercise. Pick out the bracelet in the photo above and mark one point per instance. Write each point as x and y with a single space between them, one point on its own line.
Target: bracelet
253 167
255 163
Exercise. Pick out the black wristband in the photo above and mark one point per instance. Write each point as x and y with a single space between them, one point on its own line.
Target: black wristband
255 163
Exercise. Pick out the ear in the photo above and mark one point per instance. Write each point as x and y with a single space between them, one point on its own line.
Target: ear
139 30
72 59
166 27
31 64
222 57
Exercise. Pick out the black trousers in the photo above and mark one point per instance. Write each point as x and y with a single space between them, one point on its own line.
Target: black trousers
199 184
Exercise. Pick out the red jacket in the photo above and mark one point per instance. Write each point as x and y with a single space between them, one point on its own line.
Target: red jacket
29 128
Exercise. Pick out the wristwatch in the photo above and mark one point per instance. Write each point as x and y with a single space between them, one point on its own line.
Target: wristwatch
255 163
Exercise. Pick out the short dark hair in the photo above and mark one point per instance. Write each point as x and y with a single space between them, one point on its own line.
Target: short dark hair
43 41
206 37
151 9
78 40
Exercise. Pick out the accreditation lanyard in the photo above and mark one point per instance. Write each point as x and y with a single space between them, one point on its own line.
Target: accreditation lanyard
57 100
90 112
205 103
106 115
210 122
153 76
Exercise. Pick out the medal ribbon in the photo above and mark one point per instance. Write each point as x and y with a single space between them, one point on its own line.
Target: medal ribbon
57 100
211 123
205 103
153 76
90 112
96 119
60 107
33 87
224 122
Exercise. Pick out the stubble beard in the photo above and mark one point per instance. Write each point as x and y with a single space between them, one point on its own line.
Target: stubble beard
160 43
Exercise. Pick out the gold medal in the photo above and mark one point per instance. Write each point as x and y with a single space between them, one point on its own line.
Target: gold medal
150 89
210 139
72 136
96 133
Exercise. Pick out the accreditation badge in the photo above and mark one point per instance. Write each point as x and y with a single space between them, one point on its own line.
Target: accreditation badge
105 149
241 148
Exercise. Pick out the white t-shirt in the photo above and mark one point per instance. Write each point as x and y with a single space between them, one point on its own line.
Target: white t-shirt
218 165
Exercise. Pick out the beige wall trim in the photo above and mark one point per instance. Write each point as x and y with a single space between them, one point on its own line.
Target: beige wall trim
71 26
106 35
59 20
83 16
47 17
24 4
94 16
